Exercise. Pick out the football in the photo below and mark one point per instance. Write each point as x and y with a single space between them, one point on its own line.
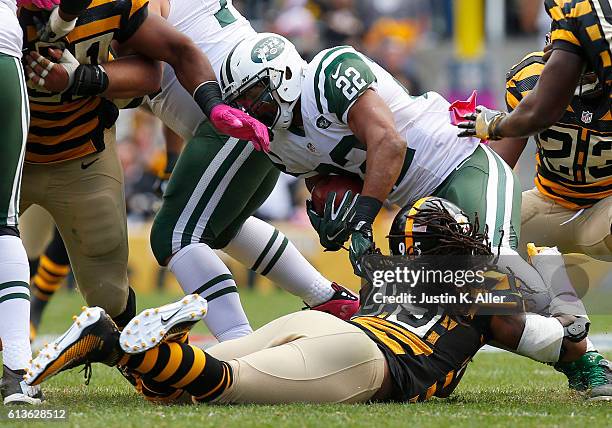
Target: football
333 183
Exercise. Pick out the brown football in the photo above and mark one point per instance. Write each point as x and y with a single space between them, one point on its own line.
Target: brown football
333 183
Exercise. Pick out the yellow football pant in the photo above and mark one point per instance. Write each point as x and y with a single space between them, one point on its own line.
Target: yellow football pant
85 198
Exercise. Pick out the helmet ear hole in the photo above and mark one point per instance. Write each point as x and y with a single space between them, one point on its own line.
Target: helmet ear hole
288 73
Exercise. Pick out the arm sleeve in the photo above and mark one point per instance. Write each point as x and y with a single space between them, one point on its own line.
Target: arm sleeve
133 15
74 7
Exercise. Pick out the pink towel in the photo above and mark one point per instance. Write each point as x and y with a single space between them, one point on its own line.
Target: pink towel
459 109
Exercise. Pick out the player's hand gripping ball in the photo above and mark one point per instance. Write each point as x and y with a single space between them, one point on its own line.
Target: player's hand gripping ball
331 209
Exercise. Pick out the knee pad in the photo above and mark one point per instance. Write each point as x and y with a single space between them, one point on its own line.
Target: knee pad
99 226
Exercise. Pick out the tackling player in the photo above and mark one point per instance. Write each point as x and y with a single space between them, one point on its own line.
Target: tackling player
14 270
571 205
383 354
581 37
216 186
344 114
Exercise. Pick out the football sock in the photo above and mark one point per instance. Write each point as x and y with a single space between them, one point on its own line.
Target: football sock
263 248
53 268
14 303
174 365
199 270
550 265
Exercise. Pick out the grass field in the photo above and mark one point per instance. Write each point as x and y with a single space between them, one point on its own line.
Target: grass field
499 389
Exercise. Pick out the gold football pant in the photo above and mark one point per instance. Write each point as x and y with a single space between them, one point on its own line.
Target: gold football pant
546 223
86 199
306 356
36 228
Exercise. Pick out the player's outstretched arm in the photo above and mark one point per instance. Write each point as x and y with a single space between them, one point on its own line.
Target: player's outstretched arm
539 110
157 39
131 76
545 105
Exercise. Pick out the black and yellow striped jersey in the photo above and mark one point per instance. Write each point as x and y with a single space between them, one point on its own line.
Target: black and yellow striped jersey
574 158
62 126
426 355
585 28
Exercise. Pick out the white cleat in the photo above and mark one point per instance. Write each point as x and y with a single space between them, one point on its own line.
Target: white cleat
62 353
166 323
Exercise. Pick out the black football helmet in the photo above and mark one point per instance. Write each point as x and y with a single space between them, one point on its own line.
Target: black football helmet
419 228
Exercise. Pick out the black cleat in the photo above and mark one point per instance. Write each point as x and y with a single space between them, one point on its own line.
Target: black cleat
15 391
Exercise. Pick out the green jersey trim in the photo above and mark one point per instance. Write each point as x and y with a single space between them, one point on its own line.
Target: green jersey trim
347 77
318 72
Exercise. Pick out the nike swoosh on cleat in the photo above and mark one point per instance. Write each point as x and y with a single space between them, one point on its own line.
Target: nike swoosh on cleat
165 321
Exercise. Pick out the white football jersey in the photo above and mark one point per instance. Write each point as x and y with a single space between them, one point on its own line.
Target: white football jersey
332 83
11 36
216 27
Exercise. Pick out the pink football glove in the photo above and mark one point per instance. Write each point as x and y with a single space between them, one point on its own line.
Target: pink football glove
238 124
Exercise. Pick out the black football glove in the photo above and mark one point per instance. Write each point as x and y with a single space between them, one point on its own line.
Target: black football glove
333 226
362 243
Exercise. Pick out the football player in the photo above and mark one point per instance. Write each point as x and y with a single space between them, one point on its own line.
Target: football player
216 187
571 205
14 270
72 168
344 114
383 354
581 37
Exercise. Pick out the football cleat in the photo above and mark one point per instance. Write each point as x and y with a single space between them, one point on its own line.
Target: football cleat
15 391
343 304
598 375
168 323
92 338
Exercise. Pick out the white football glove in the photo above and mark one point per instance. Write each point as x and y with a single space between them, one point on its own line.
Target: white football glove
56 27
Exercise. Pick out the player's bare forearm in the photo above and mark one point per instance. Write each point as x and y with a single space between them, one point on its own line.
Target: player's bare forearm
158 40
372 122
545 105
510 149
132 76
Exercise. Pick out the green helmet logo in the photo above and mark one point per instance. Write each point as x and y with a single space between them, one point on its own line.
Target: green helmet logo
267 49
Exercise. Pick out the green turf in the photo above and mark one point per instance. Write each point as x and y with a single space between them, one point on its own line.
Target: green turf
498 390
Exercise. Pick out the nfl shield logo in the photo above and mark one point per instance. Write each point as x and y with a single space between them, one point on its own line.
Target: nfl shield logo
323 123
587 117
312 148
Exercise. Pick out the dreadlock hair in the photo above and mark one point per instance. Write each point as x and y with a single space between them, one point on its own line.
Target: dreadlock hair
454 239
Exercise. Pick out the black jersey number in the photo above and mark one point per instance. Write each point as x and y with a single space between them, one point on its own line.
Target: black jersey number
557 149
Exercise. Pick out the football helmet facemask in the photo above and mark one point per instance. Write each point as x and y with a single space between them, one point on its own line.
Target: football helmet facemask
263 76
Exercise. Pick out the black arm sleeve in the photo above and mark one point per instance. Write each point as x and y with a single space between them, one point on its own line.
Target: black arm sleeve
74 7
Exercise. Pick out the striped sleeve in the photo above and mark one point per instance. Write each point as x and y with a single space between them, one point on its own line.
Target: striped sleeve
342 76
564 26
522 78
133 15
